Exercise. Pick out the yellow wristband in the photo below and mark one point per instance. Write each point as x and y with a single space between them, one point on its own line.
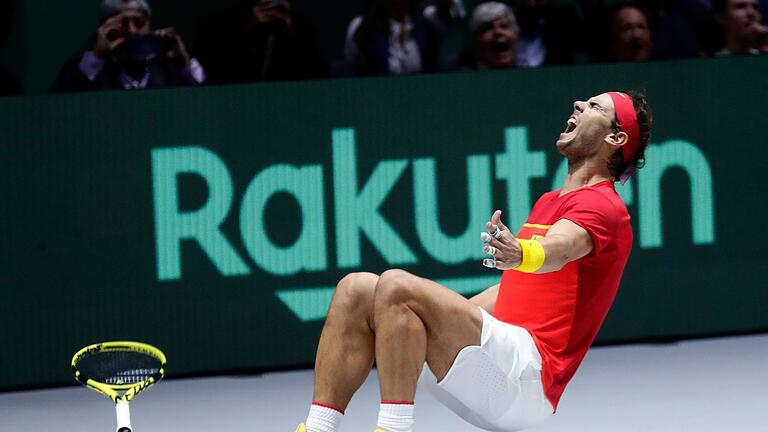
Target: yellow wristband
533 256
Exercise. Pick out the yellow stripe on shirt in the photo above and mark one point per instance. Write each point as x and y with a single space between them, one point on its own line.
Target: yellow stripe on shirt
537 226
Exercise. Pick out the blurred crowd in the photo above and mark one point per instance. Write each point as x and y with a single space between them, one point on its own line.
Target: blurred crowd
266 40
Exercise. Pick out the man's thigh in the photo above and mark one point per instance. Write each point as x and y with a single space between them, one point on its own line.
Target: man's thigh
452 322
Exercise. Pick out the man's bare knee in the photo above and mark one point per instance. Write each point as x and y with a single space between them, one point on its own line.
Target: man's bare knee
354 292
395 287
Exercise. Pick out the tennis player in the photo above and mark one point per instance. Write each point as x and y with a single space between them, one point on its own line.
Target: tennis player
502 359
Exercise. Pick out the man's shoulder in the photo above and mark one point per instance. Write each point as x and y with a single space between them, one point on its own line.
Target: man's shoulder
550 195
601 198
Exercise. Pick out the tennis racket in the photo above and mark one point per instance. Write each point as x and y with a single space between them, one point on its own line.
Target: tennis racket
114 367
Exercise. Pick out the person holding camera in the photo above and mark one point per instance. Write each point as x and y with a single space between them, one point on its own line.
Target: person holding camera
261 40
127 54
400 36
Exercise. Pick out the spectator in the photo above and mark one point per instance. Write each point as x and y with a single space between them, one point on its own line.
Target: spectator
742 32
547 33
493 38
260 40
399 36
126 54
630 35
8 84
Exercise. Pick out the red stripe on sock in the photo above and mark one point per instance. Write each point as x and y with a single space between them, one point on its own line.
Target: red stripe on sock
335 408
397 402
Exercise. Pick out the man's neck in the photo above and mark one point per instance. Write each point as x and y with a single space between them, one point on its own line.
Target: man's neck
585 173
737 46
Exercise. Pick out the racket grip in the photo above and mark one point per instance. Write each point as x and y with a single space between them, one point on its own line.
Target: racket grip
123 416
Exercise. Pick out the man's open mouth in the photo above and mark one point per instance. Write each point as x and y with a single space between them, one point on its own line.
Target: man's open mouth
500 47
570 125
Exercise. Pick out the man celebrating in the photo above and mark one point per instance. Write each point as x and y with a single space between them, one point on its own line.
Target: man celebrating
502 359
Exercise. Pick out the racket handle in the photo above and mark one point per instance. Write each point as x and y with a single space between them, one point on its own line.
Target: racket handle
123 416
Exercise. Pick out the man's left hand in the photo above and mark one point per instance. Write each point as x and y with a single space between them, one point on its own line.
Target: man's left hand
501 244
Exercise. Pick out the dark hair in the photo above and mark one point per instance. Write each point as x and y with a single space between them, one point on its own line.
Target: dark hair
644 121
719 6
615 9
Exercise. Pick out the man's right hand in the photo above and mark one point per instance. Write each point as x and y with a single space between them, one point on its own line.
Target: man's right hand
108 36
760 35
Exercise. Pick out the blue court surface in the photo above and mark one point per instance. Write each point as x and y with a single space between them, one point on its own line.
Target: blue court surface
700 385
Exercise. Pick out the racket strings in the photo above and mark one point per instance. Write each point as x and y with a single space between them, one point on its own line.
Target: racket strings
119 367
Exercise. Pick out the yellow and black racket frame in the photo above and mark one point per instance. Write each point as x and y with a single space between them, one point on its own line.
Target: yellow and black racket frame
112 390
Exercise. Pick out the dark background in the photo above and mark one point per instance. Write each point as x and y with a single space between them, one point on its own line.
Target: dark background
77 252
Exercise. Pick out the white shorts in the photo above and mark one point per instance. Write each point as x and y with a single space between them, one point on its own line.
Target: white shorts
495 386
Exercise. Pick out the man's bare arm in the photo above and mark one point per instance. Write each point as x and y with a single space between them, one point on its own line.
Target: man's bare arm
564 242
486 299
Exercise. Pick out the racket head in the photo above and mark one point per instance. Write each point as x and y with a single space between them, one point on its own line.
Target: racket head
119 366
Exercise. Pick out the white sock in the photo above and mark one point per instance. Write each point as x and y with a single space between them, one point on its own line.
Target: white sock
323 418
395 417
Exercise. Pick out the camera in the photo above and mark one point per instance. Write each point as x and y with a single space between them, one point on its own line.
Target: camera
141 47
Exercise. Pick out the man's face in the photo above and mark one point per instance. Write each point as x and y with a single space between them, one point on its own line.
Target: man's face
587 127
739 18
496 43
131 23
630 35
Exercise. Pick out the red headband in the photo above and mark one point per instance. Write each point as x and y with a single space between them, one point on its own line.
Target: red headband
627 118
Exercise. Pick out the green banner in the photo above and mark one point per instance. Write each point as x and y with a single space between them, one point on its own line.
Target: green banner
215 222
